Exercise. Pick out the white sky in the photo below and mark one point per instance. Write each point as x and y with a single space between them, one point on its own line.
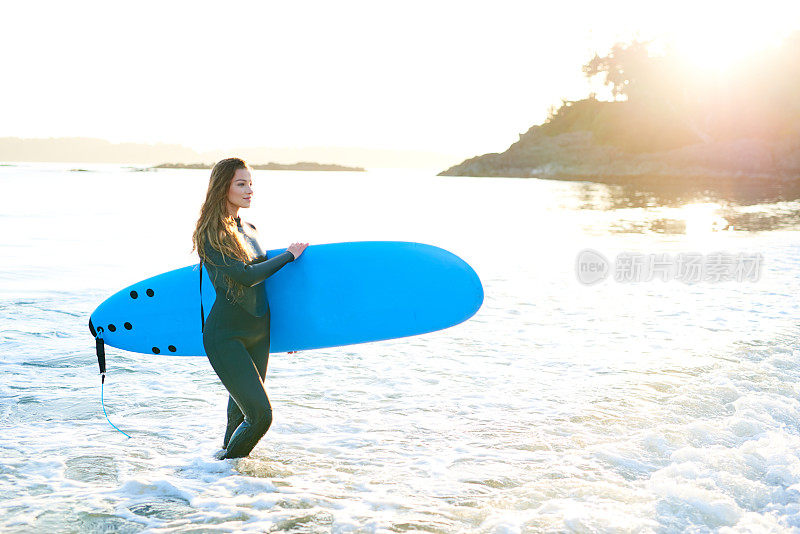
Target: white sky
455 77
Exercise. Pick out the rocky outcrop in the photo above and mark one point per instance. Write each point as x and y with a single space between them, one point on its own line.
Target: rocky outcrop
576 156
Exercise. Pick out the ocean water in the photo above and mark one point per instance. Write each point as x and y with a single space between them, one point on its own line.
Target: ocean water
621 406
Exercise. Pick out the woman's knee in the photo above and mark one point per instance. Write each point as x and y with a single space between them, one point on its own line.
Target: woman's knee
262 421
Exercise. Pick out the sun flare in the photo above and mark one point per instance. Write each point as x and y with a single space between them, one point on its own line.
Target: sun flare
727 41
702 219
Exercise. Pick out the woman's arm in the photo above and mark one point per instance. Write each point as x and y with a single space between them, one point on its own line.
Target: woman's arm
246 274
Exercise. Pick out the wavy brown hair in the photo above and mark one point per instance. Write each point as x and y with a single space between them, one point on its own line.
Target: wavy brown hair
218 227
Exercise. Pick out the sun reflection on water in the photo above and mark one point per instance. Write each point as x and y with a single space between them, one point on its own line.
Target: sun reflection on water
703 219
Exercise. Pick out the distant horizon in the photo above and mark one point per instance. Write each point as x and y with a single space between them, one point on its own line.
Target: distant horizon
81 149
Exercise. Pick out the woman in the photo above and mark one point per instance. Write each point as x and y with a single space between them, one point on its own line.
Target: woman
236 332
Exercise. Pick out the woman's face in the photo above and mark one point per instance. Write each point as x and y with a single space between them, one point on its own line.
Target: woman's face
241 189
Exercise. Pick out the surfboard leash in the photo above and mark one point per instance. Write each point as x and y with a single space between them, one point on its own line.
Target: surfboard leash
202 315
101 361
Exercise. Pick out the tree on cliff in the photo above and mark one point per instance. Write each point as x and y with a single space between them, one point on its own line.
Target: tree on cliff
627 69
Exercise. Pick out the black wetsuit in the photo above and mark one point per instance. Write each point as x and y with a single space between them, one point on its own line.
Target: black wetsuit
236 340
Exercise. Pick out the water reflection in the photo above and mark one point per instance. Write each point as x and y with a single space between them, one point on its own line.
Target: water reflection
671 194
681 209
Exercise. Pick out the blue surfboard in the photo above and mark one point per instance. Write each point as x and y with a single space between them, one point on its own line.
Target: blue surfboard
334 294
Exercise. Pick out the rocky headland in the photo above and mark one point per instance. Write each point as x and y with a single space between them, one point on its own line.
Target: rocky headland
667 122
578 156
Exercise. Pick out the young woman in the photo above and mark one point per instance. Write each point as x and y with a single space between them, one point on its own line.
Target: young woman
236 332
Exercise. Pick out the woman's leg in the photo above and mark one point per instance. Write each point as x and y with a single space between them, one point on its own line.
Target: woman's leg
221 323
259 353
258 348
235 418
235 368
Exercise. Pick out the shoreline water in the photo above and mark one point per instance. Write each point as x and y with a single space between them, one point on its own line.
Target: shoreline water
642 406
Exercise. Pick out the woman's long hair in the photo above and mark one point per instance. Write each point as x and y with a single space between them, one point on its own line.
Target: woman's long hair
216 225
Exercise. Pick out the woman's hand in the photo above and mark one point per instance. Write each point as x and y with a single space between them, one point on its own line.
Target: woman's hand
297 248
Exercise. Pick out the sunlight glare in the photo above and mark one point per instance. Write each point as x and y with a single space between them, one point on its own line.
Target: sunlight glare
701 219
722 44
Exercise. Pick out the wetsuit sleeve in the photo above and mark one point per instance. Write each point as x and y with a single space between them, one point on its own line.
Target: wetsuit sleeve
247 274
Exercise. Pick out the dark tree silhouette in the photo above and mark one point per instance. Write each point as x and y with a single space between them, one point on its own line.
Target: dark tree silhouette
626 68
